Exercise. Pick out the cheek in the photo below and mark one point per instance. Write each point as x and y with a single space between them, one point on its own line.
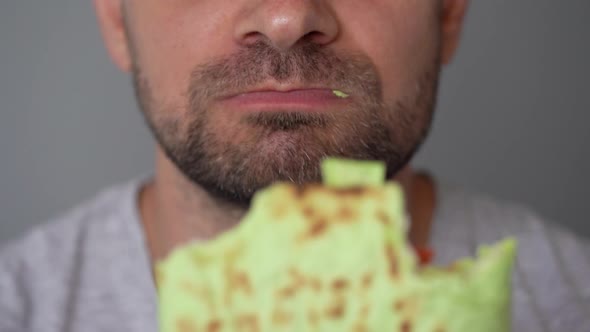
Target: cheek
174 36
401 37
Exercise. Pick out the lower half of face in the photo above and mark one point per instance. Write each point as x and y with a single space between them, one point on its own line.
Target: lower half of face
232 136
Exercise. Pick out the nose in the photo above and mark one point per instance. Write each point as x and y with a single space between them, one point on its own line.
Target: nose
283 23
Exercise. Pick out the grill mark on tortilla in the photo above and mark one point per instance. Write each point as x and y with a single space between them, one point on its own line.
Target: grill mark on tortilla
315 284
360 327
345 214
242 281
236 281
308 212
184 324
367 280
318 228
297 282
214 326
392 260
199 293
351 191
281 317
286 292
340 284
399 306
247 323
406 326
279 211
336 310
382 217
303 190
299 191
298 278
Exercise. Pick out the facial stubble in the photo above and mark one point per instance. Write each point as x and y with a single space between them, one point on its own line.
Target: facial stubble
285 145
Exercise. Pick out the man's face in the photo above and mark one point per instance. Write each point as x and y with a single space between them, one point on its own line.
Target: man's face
239 92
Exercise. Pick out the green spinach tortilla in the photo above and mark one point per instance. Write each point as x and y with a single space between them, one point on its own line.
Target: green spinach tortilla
330 257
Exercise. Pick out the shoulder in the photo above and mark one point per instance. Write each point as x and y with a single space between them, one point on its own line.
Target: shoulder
53 238
491 218
45 259
486 219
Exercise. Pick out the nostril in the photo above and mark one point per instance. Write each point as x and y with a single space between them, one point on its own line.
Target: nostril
285 25
316 37
252 37
311 35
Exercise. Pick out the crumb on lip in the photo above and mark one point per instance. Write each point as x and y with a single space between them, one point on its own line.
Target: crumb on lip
340 94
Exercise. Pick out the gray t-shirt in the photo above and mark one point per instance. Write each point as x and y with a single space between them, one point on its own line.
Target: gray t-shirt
89 270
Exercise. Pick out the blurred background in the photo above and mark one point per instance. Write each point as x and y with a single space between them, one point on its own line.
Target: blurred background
513 117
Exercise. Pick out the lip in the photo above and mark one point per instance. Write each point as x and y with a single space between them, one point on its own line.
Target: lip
293 99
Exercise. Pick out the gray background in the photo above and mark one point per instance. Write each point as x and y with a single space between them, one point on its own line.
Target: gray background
513 117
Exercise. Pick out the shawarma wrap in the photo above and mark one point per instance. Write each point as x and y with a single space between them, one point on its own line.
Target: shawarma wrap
331 257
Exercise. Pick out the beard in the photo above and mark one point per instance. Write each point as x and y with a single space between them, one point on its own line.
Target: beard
232 156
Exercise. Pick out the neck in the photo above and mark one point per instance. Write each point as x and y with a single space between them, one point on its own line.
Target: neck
174 211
